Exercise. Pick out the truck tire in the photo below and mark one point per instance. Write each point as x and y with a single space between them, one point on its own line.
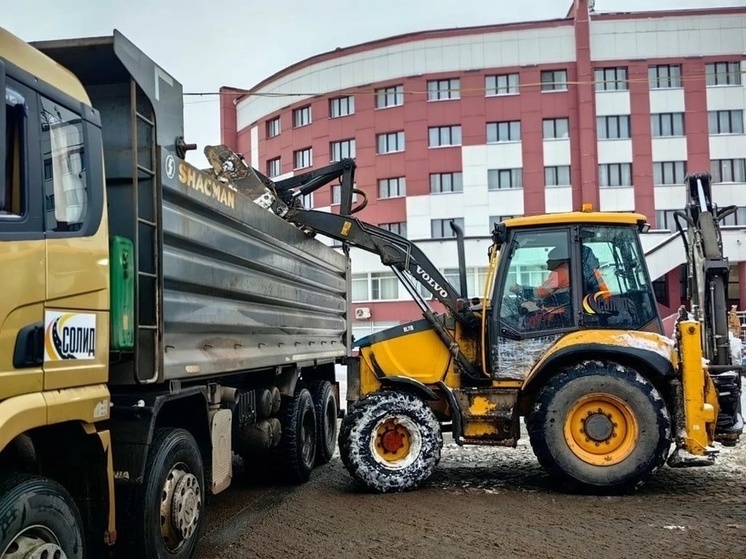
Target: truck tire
38 516
325 403
165 515
295 456
600 427
390 441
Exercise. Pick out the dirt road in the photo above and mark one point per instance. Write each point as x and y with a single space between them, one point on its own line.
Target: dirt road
485 502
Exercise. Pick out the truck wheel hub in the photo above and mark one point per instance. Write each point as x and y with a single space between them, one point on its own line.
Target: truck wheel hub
31 546
181 505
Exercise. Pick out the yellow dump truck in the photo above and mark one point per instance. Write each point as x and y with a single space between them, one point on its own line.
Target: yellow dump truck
154 320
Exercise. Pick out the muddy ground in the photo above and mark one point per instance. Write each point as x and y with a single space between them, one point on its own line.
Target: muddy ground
485 502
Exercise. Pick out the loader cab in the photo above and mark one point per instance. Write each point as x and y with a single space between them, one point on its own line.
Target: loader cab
562 273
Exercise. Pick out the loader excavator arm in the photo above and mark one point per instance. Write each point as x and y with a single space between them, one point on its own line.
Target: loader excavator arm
708 292
284 198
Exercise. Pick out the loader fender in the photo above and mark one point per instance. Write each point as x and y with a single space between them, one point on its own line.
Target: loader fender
412 386
652 355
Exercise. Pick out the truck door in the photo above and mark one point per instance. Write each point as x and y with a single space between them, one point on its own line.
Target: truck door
76 313
22 254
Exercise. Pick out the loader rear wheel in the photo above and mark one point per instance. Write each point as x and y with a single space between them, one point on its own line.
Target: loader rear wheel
325 404
600 427
390 441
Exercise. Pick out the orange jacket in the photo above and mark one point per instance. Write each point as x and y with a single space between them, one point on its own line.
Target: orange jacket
558 281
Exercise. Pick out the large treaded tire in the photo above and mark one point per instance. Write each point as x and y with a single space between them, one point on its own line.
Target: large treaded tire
358 436
141 520
28 501
546 424
295 456
325 404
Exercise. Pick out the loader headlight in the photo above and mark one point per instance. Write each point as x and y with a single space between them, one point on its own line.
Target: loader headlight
643 226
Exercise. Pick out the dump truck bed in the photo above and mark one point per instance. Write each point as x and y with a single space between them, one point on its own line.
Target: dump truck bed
222 285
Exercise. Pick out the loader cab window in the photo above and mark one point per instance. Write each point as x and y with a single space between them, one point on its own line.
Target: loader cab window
536 289
13 204
63 153
616 289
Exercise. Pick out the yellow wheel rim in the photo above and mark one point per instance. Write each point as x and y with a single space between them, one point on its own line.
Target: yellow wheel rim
393 441
601 429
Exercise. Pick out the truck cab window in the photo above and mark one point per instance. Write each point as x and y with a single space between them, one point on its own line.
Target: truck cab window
13 189
63 153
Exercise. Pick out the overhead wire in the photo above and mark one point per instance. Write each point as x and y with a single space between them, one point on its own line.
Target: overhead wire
375 91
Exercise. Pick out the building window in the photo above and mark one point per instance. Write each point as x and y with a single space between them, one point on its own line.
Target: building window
437 90
725 122
384 286
274 167
504 84
667 124
341 106
343 149
611 79
556 128
669 172
503 179
660 289
444 136
554 80
500 218
392 96
664 76
337 194
446 182
736 218
360 287
398 228
664 219
723 73
557 176
615 174
302 116
728 170
303 158
613 127
390 142
441 228
504 131
392 188
273 127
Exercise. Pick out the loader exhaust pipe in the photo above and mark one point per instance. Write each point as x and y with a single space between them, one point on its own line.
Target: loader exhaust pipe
461 257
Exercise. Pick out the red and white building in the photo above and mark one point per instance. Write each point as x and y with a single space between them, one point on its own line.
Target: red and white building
479 123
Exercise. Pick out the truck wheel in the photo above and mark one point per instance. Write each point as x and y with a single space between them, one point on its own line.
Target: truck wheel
296 453
166 516
39 518
325 404
600 427
390 441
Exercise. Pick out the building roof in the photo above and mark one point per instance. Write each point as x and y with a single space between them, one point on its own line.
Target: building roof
475 30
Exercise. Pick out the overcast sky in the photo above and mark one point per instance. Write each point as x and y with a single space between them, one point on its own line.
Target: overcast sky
239 42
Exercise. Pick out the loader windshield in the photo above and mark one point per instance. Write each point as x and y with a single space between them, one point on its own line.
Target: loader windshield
616 288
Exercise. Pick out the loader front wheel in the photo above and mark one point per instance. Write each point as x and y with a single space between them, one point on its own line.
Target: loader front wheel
600 427
390 441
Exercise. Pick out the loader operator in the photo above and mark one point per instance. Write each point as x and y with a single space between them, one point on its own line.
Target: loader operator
554 293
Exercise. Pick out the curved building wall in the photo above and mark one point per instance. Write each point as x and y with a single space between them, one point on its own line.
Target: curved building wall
631 111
